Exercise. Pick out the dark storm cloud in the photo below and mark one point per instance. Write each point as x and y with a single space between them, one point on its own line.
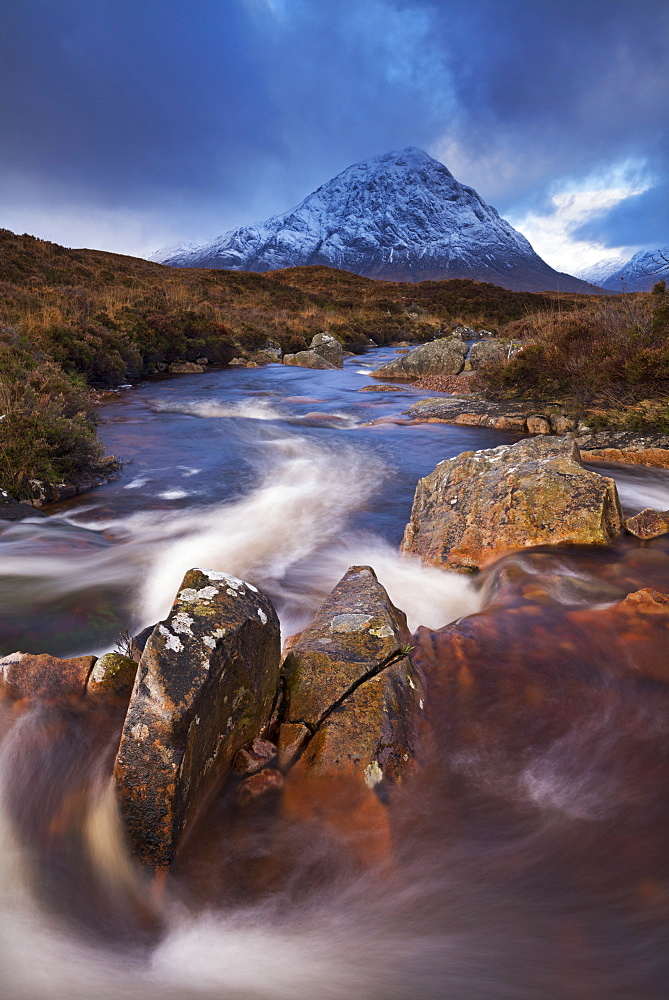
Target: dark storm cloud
207 113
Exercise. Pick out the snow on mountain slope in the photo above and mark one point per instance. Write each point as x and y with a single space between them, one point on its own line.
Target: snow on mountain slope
597 274
401 216
640 272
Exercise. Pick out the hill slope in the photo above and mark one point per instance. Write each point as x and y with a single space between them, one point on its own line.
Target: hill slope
74 319
400 217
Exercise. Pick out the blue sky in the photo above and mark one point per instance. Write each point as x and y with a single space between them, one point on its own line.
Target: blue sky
131 124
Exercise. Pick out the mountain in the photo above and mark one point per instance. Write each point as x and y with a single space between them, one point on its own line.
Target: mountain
597 274
638 274
401 216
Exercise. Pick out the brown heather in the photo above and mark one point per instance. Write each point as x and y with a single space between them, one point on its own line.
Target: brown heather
72 320
608 358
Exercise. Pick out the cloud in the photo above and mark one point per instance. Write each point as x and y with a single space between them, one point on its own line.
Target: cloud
199 117
557 233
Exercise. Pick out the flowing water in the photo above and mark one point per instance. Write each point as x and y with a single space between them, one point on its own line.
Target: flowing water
532 864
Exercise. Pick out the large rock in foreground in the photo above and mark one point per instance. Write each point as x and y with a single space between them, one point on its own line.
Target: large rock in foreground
205 685
474 508
439 357
353 714
349 682
355 631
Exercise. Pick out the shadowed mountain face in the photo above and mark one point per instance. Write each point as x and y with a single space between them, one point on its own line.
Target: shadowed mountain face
401 217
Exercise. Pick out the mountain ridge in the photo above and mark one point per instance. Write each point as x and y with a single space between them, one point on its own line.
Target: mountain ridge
637 274
399 216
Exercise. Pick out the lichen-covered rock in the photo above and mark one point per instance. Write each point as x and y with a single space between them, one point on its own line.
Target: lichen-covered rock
373 733
204 688
356 630
648 523
485 352
113 674
328 347
26 675
307 359
474 508
440 357
353 720
349 681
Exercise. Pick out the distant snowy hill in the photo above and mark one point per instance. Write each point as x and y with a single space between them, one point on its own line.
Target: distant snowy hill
597 274
638 274
401 216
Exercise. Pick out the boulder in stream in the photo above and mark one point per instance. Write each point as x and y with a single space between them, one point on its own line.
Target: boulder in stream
445 356
307 359
204 688
648 523
328 347
475 508
352 716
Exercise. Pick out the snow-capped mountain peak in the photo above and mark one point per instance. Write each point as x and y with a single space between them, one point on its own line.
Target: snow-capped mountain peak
400 216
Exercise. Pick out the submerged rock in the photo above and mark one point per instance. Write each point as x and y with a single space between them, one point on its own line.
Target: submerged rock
328 347
307 359
474 508
204 688
440 357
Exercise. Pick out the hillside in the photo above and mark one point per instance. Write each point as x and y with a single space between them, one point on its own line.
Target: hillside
72 320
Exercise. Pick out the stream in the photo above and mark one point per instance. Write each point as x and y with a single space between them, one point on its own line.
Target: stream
541 873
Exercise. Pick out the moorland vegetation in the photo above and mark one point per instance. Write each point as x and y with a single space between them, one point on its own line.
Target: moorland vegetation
73 321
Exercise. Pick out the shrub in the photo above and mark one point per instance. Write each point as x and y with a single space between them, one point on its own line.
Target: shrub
47 423
613 352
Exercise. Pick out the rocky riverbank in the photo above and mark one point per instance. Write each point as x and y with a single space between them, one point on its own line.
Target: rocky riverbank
475 410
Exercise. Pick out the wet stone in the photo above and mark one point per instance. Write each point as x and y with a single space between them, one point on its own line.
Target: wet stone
648 523
260 785
204 688
292 738
475 508
113 674
254 756
354 632
24 675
